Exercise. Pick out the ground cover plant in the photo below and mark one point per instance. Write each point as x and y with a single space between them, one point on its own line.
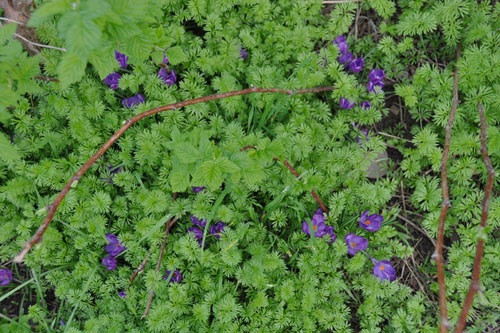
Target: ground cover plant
313 166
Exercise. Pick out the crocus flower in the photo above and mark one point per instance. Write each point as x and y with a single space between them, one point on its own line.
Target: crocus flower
356 65
372 222
365 105
376 76
355 243
341 43
329 231
216 229
114 246
317 223
344 103
109 262
198 222
5 276
122 59
243 53
122 294
370 86
167 76
345 58
197 233
383 270
197 189
176 276
112 80
134 100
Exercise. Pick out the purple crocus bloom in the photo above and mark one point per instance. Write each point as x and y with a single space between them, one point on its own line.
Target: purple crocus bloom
376 76
198 222
122 59
317 223
109 262
356 65
165 59
370 86
122 294
197 189
216 229
329 231
341 43
5 276
355 243
114 246
372 222
176 276
365 105
345 58
383 270
243 54
134 100
344 103
197 233
112 80
167 76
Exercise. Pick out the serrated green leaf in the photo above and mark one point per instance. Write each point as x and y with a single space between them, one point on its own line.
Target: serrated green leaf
82 34
186 153
47 10
176 55
209 173
9 152
71 69
138 47
179 179
103 59
226 165
6 32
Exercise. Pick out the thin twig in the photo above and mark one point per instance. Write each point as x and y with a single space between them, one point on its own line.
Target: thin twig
485 205
10 20
139 269
419 228
444 324
52 208
170 223
40 45
313 192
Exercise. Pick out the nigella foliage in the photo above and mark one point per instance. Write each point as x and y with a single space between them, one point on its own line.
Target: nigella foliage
257 269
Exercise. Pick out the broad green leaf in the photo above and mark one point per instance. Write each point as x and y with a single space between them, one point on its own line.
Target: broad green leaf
179 179
71 69
82 34
49 9
209 173
9 152
103 59
6 32
176 55
226 165
186 153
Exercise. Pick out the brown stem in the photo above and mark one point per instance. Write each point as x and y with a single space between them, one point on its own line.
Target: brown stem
438 254
52 208
170 223
313 193
485 205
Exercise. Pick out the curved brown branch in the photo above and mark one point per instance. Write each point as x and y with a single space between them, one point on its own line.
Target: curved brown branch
438 254
52 208
485 205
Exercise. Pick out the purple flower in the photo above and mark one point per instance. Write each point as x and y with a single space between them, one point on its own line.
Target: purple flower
216 229
122 294
176 276
365 105
356 65
5 276
167 76
370 86
376 76
243 53
122 59
344 103
341 43
198 222
114 246
134 100
197 233
109 262
112 80
165 59
329 231
317 223
197 189
345 58
355 243
384 270
372 222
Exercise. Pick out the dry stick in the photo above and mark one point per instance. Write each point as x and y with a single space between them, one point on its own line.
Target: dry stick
170 223
438 254
52 208
485 205
313 193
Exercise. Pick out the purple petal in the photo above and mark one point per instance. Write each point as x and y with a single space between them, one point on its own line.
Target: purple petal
356 65
372 222
109 262
345 58
176 276
383 270
243 53
112 80
216 229
167 76
355 243
122 59
132 101
344 103
198 222
5 276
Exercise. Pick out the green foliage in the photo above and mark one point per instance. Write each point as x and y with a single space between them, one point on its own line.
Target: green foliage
263 273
